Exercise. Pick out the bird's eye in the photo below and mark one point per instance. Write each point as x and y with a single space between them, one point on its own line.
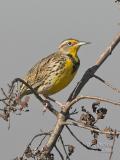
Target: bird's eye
69 44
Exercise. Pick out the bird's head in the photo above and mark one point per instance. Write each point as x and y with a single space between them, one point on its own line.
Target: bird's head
71 46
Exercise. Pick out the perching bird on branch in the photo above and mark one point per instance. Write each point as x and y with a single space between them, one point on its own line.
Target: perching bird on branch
56 71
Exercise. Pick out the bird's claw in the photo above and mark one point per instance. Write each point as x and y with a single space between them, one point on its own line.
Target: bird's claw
46 105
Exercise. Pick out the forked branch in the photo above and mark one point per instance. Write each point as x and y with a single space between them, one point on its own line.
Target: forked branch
91 71
63 116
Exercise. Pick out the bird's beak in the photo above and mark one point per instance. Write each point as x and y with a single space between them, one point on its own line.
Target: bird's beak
81 43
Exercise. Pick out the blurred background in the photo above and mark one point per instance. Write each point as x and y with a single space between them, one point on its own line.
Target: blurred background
31 30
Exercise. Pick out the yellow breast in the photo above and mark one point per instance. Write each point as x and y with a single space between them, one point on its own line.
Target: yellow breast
63 79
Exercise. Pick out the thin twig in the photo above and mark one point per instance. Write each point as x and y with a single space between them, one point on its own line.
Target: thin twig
28 86
3 115
67 156
93 98
87 147
59 152
4 93
91 128
3 99
91 71
41 142
38 135
88 75
4 102
112 147
50 108
107 84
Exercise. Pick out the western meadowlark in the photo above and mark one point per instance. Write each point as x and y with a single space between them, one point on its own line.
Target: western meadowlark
56 71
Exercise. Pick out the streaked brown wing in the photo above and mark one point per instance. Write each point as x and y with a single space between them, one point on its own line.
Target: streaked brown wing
36 75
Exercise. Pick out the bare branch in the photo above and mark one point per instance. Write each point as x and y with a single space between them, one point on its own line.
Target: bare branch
41 142
87 147
107 84
91 128
62 142
62 116
112 147
92 98
28 86
10 103
91 71
59 152
4 116
28 148
50 108
38 135
105 54
4 93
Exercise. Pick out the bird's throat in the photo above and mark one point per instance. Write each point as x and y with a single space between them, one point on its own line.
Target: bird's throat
75 61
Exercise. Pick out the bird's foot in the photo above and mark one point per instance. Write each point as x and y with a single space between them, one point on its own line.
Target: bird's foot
46 105
62 105
23 104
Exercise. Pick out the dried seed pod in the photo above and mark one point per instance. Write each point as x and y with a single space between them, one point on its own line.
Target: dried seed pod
83 109
109 135
96 134
50 156
95 105
101 112
37 153
83 118
71 149
87 119
117 1
28 152
94 142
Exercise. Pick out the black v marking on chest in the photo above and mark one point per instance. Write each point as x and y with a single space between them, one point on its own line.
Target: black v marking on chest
76 62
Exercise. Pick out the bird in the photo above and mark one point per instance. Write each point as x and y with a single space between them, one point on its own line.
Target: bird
54 72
